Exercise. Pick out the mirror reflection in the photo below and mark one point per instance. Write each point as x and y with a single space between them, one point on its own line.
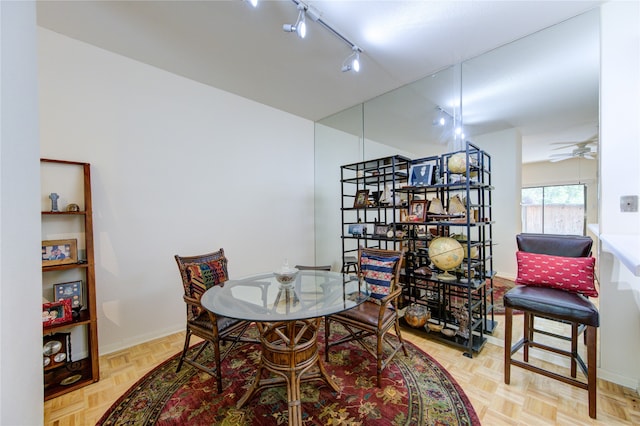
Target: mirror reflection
542 90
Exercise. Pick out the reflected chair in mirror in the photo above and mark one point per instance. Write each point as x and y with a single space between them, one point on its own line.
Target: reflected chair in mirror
380 269
556 279
313 268
200 273
350 262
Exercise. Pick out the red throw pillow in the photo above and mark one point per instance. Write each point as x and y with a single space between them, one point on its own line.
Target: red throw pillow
564 273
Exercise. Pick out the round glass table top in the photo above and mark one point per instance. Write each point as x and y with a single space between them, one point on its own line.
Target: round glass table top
262 298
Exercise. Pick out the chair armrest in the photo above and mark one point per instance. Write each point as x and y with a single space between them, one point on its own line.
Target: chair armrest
384 302
391 296
195 303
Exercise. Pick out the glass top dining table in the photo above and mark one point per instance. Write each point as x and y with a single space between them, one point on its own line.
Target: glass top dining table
262 298
288 319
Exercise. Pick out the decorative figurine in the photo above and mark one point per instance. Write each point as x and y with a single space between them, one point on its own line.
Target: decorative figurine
54 201
462 315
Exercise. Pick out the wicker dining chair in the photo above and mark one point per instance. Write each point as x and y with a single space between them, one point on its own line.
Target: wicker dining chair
200 273
377 315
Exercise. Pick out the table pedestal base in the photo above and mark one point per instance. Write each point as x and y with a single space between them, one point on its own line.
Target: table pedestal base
289 350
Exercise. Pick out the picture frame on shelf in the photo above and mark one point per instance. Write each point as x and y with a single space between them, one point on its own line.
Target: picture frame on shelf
56 350
59 252
417 211
69 290
361 199
380 230
57 312
421 174
421 231
357 229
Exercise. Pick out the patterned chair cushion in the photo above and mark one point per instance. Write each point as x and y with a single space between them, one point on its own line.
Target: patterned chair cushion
378 273
202 276
574 274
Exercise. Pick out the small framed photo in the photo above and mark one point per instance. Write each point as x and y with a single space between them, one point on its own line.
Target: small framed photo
59 252
380 230
362 198
71 290
421 174
421 231
357 229
417 211
57 312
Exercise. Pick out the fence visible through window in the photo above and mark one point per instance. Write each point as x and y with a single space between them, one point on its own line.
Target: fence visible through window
558 209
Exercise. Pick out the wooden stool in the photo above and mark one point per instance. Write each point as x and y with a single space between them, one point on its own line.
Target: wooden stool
558 305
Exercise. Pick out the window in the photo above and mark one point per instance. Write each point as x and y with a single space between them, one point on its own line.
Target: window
555 209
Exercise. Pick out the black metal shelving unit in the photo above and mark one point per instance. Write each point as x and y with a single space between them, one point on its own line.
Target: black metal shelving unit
463 305
379 178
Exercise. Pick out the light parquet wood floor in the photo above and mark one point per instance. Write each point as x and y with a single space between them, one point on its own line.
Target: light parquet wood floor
531 399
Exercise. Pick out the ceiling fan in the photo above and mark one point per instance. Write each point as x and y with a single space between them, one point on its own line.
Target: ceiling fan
581 150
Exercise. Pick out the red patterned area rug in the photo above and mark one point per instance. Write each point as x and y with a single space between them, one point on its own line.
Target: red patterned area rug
500 287
416 390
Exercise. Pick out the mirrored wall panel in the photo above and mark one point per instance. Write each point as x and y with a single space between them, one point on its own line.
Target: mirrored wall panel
519 102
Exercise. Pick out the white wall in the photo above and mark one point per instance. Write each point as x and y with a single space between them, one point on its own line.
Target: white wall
505 148
178 168
335 148
619 175
21 390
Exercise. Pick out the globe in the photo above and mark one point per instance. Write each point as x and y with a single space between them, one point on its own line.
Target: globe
446 254
457 163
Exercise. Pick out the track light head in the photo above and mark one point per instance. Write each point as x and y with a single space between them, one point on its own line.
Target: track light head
300 27
352 63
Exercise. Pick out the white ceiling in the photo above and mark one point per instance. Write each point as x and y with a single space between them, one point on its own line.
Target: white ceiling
546 87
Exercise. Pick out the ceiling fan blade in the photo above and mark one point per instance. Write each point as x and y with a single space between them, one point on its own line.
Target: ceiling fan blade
565 154
588 157
564 145
555 160
593 140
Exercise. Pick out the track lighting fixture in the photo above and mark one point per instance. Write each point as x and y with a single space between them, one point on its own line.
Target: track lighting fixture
352 63
300 26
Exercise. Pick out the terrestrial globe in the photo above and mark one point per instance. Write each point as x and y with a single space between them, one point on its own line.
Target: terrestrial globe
446 254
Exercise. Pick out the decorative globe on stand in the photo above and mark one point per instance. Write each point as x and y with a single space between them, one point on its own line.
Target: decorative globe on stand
446 254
